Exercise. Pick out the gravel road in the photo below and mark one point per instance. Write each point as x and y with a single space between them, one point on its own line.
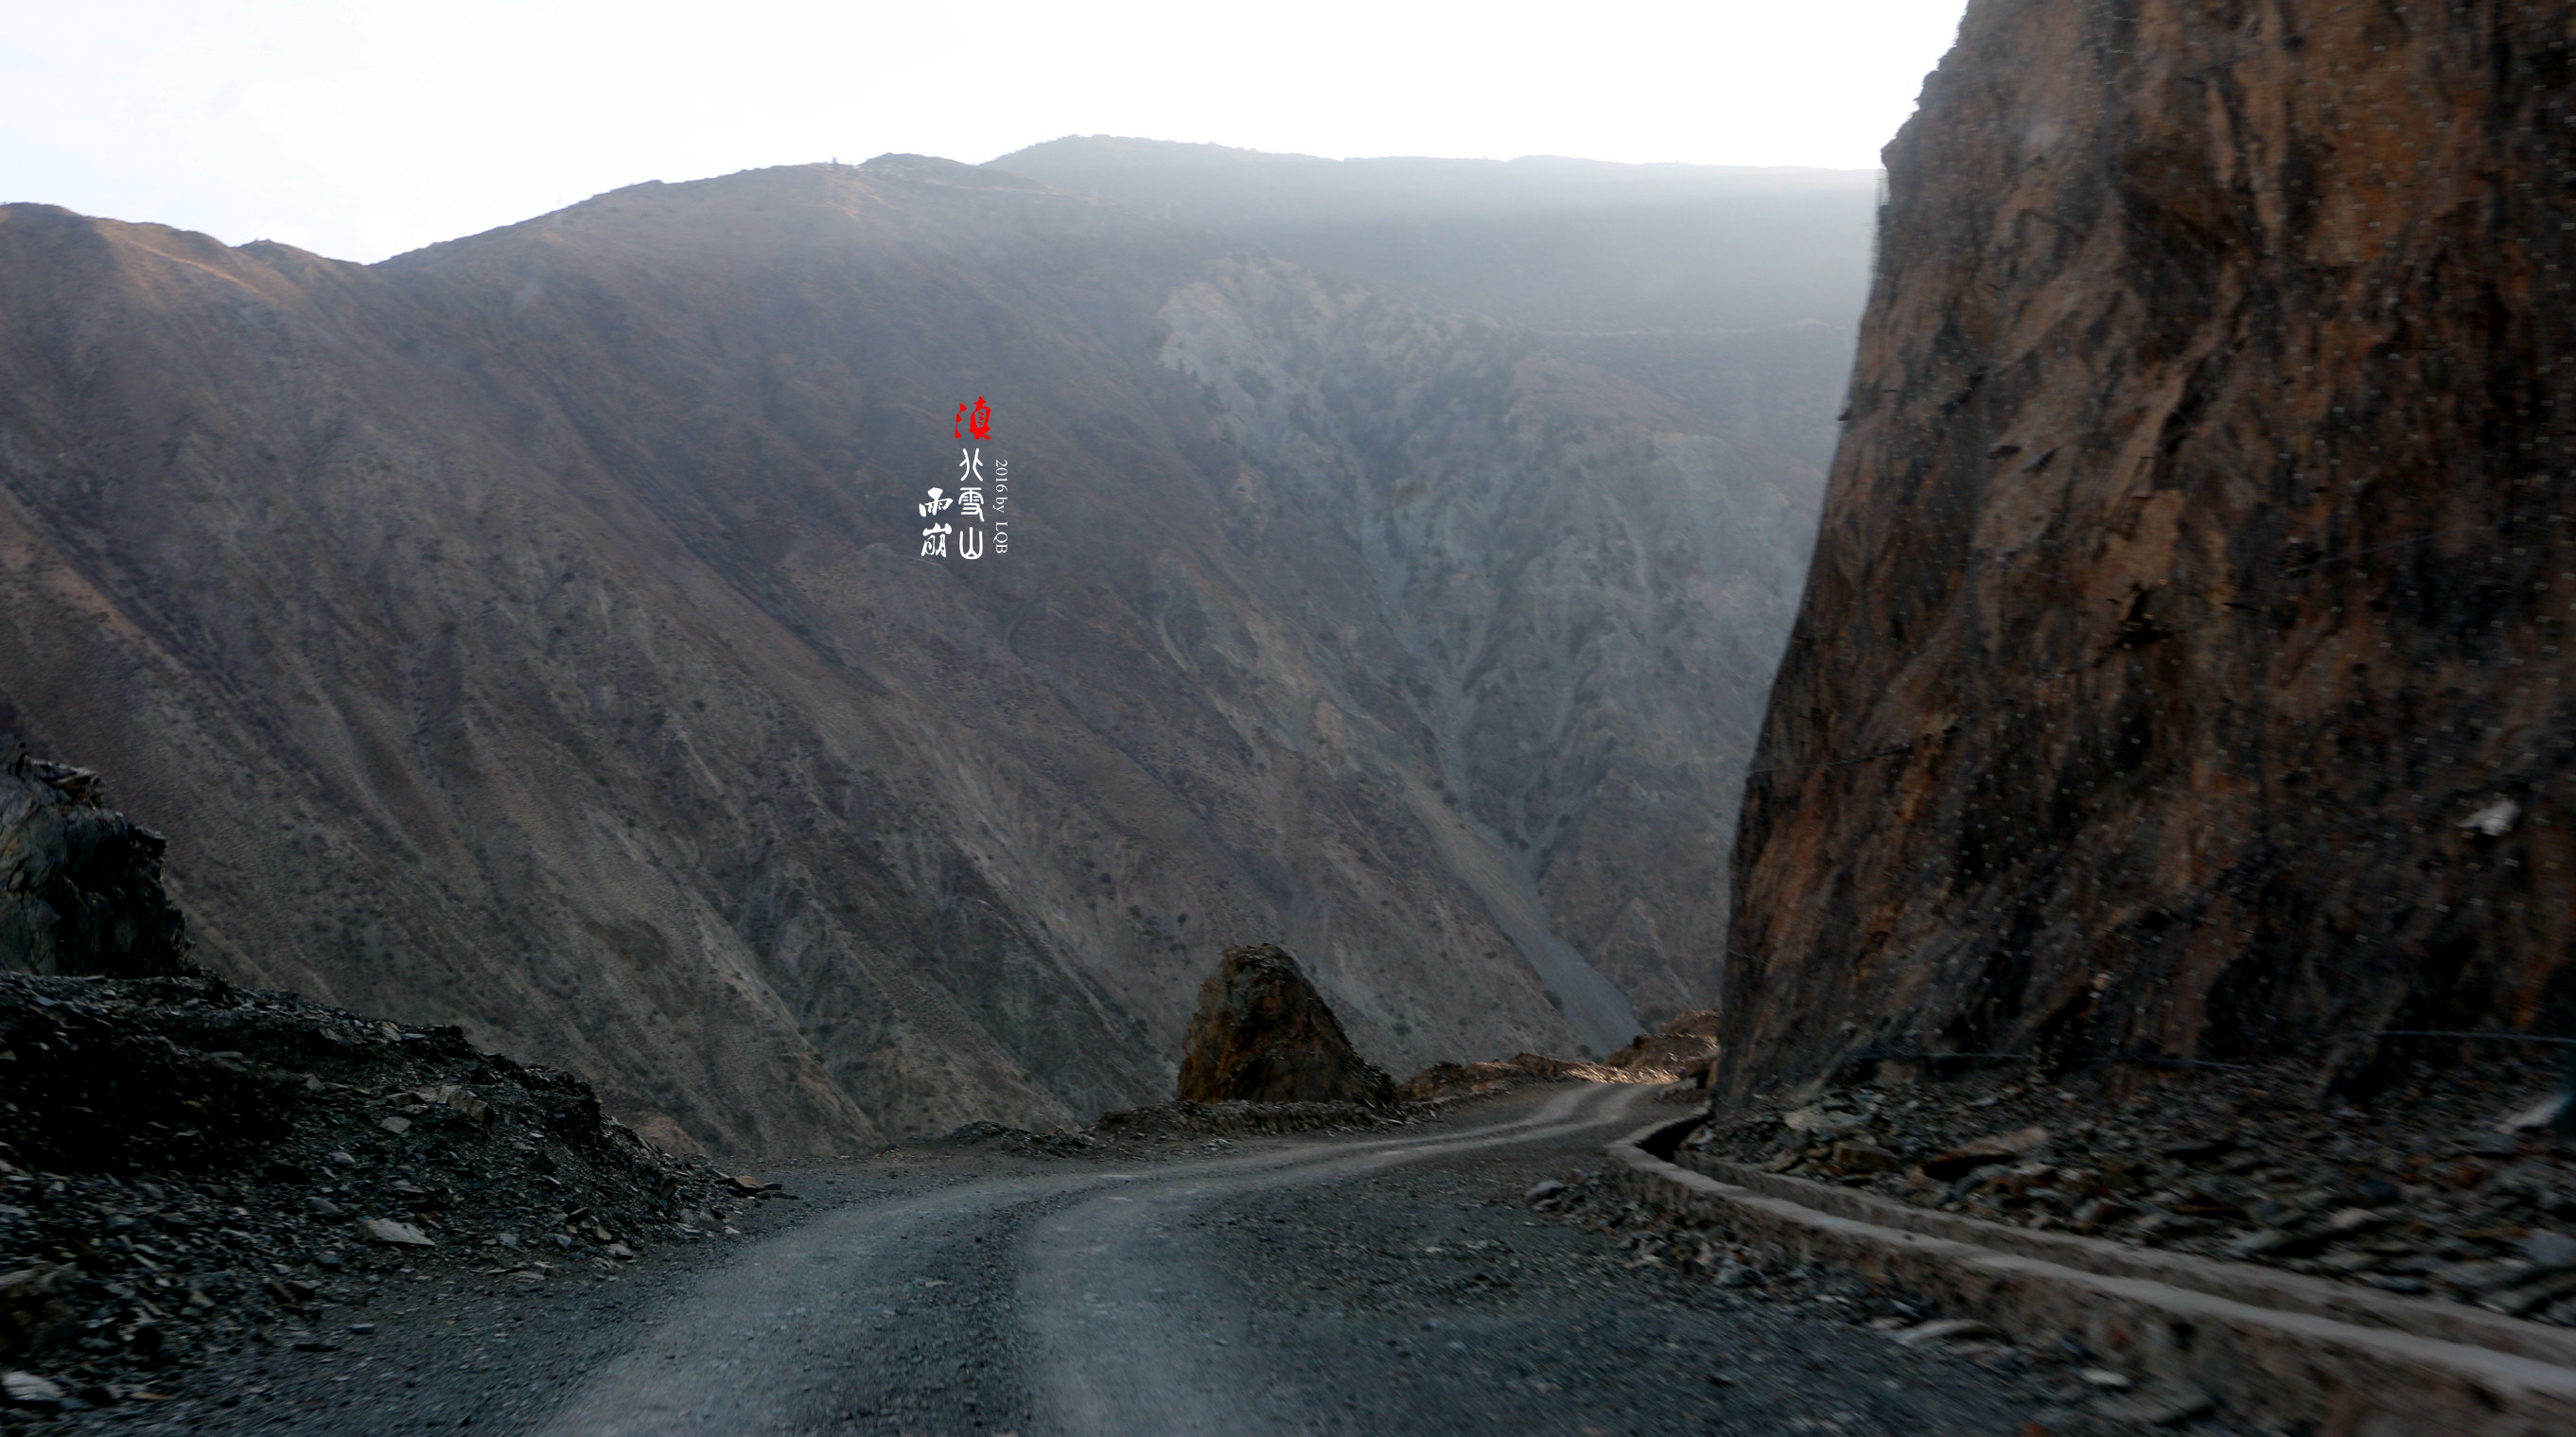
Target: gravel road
1351 1284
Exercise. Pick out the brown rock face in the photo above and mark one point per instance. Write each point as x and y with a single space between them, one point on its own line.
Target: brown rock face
2181 669
80 884
1264 1035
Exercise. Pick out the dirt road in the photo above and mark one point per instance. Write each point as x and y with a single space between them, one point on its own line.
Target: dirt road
1347 1285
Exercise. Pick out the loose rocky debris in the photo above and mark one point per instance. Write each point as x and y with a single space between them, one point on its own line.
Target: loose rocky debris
1118 1134
1501 1075
1684 1049
1679 1053
2444 1186
1428 1097
1263 1034
190 1171
1174 1121
1042 1145
2088 1400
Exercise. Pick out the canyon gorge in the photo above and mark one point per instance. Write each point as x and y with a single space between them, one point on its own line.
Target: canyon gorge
531 633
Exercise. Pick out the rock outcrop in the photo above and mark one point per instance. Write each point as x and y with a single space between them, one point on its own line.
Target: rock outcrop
531 634
80 884
2183 668
1264 1035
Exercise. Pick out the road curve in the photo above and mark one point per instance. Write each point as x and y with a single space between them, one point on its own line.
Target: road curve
1059 1302
1322 1285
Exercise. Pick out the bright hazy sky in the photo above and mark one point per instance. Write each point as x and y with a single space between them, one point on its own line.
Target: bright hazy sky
362 128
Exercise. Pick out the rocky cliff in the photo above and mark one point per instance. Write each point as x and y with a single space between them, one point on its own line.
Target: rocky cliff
530 633
2181 669
80 883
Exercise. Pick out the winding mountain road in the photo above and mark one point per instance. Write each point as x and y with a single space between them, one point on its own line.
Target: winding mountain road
1355 1285
1123 1327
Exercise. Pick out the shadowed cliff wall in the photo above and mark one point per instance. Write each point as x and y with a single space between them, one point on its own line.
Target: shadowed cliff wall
2180 671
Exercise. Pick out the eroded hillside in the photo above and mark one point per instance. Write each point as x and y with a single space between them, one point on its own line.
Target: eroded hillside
530 633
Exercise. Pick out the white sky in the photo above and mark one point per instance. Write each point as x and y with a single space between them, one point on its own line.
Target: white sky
361 128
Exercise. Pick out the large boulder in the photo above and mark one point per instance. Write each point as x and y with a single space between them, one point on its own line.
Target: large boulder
1264 1035
80 883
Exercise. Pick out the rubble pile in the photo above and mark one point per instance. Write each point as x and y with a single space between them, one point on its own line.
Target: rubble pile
190 1170
2447 1184
1042 1145
1653 1237
1685 1048
1445 1081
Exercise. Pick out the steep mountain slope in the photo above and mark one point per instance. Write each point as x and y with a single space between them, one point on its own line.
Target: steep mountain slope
1733 292
531 633
1591 616
1721 302
2181 672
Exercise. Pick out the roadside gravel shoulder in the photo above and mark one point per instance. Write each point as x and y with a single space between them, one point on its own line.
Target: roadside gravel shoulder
1368 1288
1438 1301
447 1349
2442 1182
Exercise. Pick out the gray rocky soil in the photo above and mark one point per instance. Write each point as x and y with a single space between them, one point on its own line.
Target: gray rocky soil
1385 1281
194 1175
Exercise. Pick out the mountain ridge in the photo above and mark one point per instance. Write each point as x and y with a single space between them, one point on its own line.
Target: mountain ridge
527 633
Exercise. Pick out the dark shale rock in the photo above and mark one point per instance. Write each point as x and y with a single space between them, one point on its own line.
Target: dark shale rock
1264 1035
190 1170
1984 1152
34 1302
80 884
